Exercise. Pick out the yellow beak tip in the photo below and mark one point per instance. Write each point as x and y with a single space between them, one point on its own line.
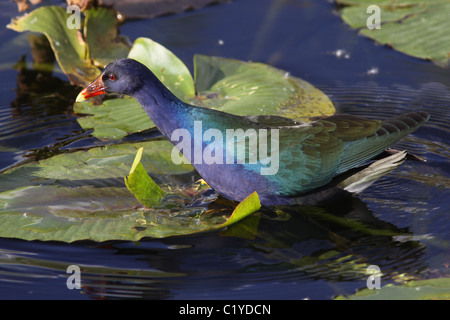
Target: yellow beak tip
80 98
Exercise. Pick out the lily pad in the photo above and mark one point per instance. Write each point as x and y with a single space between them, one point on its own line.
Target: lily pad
69 50
165 65
251 88
418 28
72 52
114 119
82 195
102 36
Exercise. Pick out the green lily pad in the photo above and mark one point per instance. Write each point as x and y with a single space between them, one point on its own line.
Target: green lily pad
102 36
96 167
415 27
250 88
69 49
82 195
72 52
114 119
165 65
430 289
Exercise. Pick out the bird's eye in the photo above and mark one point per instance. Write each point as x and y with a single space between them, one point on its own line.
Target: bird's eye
112 77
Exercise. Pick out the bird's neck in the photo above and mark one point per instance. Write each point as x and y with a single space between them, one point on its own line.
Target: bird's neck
163 107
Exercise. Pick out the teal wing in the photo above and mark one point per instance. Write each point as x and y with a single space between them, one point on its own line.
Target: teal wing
358 151
310 155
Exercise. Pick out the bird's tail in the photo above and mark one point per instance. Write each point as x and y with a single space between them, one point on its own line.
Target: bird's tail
403 125
391 130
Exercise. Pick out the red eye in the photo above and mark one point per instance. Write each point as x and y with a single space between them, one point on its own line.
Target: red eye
112 77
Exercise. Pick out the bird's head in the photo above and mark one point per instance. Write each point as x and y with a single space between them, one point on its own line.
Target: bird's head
124 76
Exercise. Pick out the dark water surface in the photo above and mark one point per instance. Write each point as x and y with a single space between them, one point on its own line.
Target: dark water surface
300 254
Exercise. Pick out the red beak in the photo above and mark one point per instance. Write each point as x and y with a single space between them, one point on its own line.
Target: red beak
96 88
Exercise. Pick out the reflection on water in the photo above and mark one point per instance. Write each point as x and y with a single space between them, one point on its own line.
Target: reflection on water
400 223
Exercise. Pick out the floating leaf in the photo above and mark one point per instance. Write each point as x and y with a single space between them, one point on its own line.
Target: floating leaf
165 65
141 185
71 51
418 28
114 119
102 36
82 195
249 88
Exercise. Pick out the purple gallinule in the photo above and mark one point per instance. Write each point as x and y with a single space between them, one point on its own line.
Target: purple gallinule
308 155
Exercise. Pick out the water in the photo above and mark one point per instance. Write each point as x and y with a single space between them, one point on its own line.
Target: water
298 254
